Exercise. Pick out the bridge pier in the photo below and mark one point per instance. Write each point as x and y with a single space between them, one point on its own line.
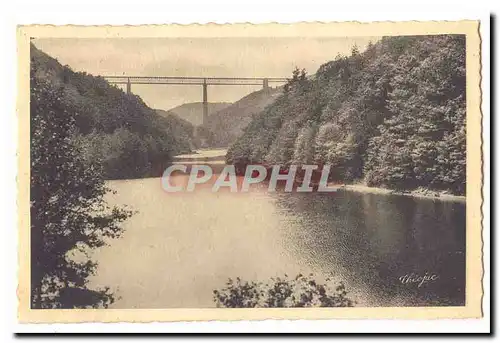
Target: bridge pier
265 84
129 86
205 102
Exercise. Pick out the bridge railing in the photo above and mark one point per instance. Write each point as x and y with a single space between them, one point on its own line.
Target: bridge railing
180 80
189 80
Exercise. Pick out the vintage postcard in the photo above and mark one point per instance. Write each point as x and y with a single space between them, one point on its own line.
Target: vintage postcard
230 172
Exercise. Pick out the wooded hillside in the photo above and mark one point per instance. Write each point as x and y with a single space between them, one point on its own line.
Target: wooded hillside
392 116
116 129
227 124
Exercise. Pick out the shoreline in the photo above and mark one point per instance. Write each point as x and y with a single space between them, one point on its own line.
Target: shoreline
378 190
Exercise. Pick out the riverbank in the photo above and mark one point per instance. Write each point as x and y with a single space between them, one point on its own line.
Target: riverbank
419 193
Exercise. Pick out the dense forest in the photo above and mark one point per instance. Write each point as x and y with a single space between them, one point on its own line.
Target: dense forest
227 124
392 116
116 129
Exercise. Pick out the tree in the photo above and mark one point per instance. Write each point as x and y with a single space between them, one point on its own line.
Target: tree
393 116
304 145
108 116
422 141
302 291
68 213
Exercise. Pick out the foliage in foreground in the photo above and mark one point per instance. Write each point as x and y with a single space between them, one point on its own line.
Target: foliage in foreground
68 211
302 291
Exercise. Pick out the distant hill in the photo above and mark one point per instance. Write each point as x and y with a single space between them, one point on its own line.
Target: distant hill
119 130
227 124
193 112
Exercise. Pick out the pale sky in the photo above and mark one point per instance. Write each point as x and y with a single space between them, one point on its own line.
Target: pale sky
204 57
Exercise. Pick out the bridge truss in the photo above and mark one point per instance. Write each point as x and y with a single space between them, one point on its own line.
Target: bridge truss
190 81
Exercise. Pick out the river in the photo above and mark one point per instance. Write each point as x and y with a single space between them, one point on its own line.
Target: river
179 247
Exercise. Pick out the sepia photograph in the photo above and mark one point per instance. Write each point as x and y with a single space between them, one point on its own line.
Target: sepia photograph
210 168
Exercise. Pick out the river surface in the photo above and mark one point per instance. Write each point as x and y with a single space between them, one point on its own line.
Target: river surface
179 247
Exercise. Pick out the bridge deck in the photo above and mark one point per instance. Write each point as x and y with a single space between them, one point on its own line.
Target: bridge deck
197 80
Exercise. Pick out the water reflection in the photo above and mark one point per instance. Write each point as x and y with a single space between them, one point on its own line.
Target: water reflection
372 240
179 247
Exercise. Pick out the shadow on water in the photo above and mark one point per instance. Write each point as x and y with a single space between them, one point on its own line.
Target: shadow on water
372 241
182 246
